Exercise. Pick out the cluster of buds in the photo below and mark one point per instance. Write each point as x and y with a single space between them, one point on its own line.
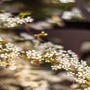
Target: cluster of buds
8 20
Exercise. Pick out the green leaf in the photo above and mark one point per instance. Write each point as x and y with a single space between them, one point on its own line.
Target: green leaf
23 14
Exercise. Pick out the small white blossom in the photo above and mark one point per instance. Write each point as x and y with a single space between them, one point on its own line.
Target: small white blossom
9 21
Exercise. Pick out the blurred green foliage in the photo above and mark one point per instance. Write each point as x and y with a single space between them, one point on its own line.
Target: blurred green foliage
38 8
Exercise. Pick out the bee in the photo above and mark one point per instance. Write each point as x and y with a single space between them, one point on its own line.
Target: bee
40 34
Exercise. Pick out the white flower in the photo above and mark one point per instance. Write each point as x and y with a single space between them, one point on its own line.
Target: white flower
4 55
83 63
9 45
70 73
80 80
54 67
16 49
80 74
28 19
32 54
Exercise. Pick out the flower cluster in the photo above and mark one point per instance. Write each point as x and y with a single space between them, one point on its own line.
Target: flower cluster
9 53
61 59
7 20
47 52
